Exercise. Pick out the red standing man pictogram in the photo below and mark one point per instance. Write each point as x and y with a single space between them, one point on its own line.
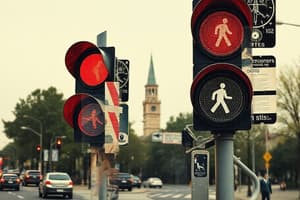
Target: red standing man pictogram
93 118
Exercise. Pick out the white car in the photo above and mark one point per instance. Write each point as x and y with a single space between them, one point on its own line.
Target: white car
153 182
56 183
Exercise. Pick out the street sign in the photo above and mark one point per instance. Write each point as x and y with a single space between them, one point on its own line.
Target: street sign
54 155
123 135
171 138
123 78
267 156
263 78
263 13
200 174
157 137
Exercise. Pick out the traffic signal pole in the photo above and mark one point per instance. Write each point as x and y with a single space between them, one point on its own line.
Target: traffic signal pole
224 166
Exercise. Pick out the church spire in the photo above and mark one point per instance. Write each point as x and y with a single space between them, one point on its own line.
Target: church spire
151 75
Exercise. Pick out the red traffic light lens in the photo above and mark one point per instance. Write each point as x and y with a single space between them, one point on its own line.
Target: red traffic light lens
93 70
221 33
90 119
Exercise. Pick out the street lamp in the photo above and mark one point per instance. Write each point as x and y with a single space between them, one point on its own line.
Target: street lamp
41 138
41 141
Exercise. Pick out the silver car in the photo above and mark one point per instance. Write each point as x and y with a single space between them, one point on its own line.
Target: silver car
56 183
153 182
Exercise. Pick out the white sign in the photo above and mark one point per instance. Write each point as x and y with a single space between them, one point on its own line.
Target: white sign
171 138
54 155
263 79
46 153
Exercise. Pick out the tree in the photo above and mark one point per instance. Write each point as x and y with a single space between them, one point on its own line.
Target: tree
289 105
168 161
46 107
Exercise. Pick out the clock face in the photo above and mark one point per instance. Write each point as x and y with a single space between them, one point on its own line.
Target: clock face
122 74
153 108
262 10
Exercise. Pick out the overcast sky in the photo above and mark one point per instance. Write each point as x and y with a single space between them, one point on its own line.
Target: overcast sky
35 36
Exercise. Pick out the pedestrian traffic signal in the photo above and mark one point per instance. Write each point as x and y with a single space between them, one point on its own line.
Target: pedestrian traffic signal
38 148
58 143
220 93
91 66
84 113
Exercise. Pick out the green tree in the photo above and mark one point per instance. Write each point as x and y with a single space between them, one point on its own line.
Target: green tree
41 108
168 161
289 107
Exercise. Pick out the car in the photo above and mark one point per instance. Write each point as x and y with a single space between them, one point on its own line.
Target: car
152 182
136 181
56 183
10 181
123 181
32 177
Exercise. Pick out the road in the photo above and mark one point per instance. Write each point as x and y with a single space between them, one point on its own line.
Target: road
168 192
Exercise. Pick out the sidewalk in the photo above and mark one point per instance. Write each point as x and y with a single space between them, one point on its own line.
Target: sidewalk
241 194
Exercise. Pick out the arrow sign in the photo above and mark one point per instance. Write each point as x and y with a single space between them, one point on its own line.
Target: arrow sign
157 137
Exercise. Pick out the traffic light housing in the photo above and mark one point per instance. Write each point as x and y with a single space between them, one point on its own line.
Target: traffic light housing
38 148
221 93
58 143
84 113
91 66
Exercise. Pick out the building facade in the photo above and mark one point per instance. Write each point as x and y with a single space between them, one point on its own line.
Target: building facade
151 104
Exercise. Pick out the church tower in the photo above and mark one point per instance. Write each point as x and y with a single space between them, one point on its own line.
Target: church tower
151 104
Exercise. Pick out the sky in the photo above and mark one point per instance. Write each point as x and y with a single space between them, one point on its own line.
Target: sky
35 36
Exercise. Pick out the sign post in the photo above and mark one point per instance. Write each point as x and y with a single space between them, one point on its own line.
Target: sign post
200 174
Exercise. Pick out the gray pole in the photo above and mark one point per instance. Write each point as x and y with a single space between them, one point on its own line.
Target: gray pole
224 166
101 39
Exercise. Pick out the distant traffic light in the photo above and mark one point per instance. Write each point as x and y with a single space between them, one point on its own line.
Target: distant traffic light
38 148
58 143
221 93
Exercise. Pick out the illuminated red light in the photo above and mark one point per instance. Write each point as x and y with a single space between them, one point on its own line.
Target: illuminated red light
93 70
221 33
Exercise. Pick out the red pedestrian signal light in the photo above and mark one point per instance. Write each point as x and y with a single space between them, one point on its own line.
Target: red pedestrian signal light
221 93
91 66
84 113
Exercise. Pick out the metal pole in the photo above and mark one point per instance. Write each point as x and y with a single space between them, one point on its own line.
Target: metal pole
224 166
41 145
252 175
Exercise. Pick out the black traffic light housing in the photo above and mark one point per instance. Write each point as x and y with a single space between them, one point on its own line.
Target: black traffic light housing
84 113
221 32
91 66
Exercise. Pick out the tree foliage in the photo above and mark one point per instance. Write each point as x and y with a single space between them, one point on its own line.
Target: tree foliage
41 111
289 105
